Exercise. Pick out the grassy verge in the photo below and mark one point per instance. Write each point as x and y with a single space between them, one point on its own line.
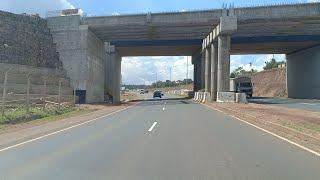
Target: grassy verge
18 114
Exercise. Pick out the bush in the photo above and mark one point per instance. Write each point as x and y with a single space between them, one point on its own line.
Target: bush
18 114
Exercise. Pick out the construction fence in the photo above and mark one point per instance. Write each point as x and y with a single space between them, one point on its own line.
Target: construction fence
26 96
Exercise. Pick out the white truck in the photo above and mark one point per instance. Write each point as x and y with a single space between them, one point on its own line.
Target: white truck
241 85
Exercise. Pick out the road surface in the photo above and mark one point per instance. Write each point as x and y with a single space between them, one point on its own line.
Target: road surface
157 140
149 96
304 104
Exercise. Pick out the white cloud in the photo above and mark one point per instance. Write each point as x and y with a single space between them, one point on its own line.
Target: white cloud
140 70
257 61
115 14
34 6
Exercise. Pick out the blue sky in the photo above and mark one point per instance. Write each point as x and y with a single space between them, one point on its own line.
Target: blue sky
139 70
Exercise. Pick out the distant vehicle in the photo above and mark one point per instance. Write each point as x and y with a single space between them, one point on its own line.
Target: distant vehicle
146 91
241 85
142 91
157 94
159 91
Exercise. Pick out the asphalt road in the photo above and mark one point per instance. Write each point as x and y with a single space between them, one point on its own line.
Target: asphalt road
188 141
149 96
305 104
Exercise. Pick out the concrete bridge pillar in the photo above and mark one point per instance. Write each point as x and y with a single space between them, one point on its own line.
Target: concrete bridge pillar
223 63
195 77
207 73
196 60
202 71
214 67
218 64
113 74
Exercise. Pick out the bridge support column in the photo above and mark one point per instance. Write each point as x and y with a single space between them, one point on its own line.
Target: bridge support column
214 67
197 71
223 63
207 73
195 77
221 69
113 74
202 71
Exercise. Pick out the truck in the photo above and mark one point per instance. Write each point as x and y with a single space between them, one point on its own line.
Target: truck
241 85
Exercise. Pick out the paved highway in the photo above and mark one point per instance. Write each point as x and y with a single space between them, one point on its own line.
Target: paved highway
305 104
149 96
157 140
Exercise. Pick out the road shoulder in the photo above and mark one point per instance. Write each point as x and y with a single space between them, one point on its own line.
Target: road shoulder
299 126
26 131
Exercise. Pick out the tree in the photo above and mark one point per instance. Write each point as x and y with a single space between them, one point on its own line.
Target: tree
272 64
240 72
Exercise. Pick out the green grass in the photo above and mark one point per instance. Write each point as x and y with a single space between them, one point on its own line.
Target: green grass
18 114
66 115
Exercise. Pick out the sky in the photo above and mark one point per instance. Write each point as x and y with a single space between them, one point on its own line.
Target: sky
140 70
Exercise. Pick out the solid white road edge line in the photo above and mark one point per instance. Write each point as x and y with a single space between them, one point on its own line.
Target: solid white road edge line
65 129
308 104
269 132
153 125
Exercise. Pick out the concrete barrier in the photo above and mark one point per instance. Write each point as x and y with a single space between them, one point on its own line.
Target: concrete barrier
206 97
195 96
201 97
241 98
225 97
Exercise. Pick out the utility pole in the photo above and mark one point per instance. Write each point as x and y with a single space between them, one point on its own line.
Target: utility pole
4 92
156 80
187 70
170 77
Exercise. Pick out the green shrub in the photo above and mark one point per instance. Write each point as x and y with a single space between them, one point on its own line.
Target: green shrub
17 114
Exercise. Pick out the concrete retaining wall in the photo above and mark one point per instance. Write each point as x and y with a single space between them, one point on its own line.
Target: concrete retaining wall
26 40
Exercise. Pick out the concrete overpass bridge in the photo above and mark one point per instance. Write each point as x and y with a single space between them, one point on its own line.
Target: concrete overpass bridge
91 47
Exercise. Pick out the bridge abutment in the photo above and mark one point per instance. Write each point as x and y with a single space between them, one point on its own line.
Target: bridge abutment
82 55
303 74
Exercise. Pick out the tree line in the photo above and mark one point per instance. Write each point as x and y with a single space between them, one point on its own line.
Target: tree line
240 72
160 84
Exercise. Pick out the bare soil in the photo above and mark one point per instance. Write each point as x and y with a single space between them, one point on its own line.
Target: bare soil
270 83
299 126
